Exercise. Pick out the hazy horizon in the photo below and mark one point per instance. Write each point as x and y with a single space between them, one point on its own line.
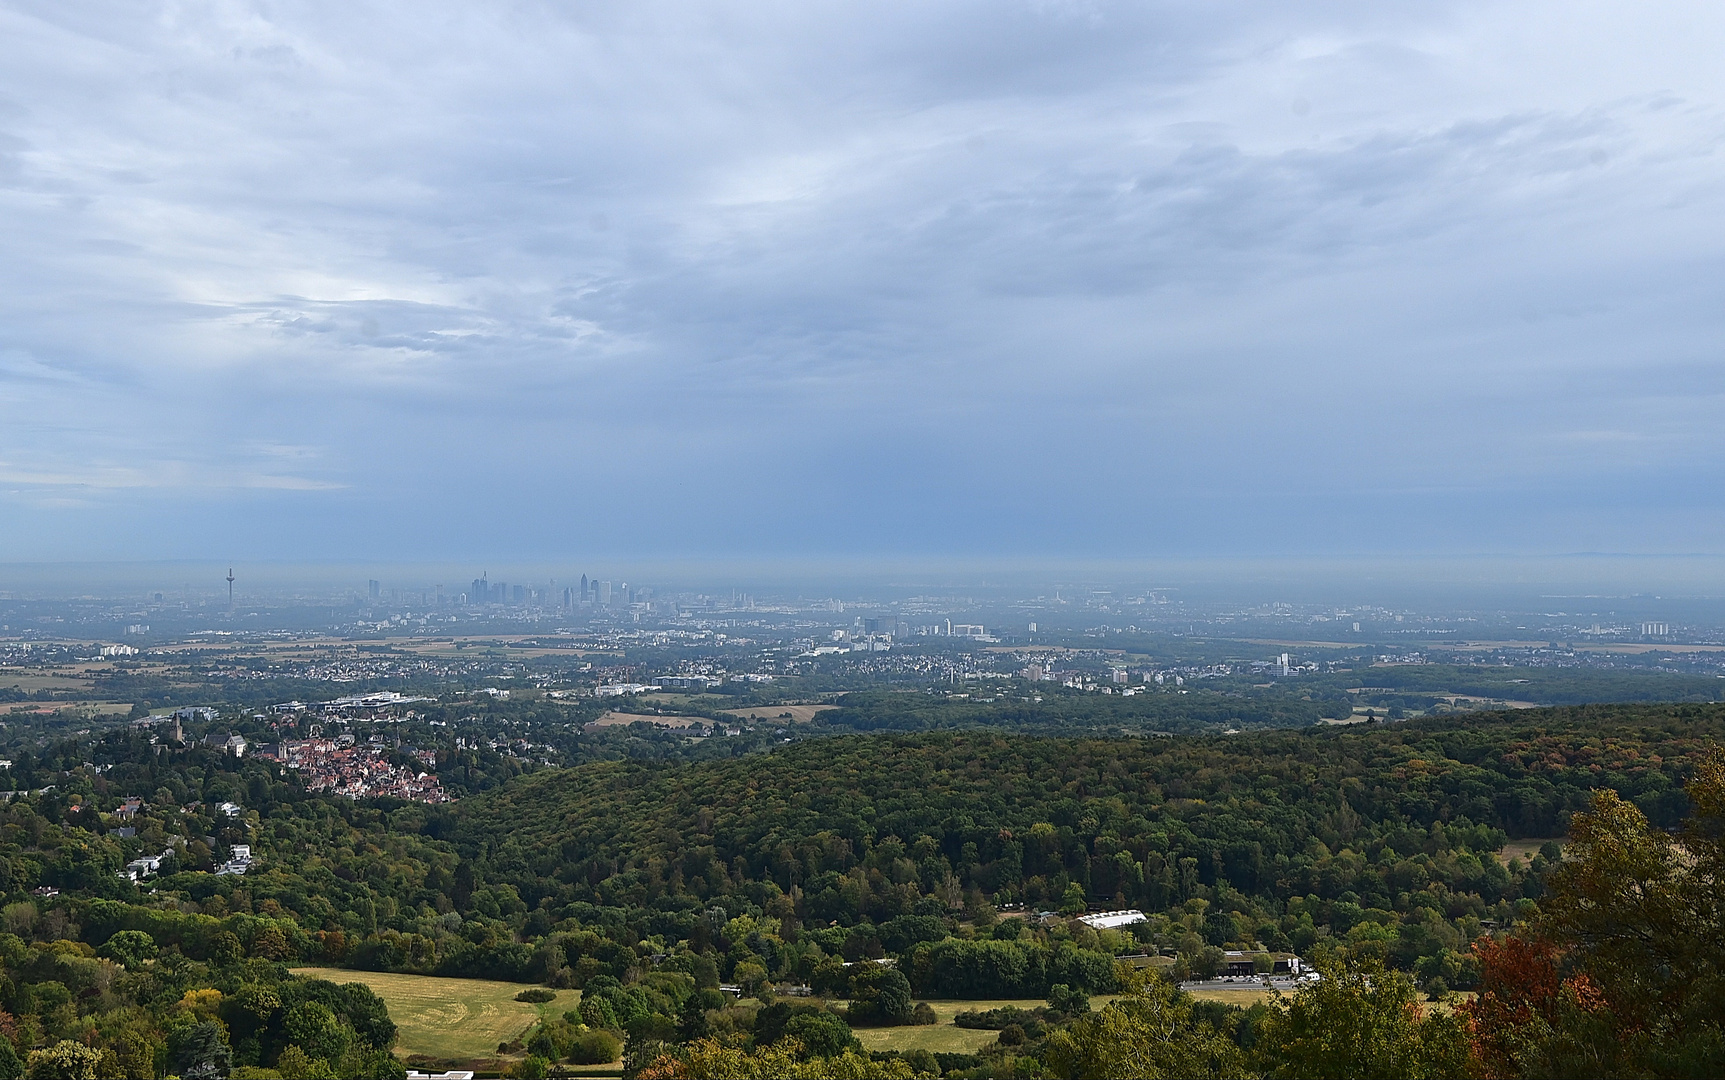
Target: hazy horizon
1427 582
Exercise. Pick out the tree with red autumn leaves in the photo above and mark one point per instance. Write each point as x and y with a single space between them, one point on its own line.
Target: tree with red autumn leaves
1530 1019
1624 974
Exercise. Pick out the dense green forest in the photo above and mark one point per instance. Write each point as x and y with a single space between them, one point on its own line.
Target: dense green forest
850 823
1620 974
650 883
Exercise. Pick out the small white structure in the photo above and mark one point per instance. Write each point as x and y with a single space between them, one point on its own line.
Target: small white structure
144 867
147 866
1113 920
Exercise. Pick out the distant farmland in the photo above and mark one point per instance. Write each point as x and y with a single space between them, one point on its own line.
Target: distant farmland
623 719
800 714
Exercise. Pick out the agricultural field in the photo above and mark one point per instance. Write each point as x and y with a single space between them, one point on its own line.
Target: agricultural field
797 714
621 719
33 681
90 710
450 1020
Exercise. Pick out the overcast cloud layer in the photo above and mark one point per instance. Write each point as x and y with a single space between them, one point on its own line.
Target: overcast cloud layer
302 280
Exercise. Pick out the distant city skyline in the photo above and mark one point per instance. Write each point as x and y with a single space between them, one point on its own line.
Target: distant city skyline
438 283
1422 580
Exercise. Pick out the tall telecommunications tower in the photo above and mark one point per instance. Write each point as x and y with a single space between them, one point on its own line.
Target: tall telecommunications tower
230 586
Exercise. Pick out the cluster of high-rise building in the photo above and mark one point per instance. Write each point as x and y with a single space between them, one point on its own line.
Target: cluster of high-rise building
591 592
595 593
485 591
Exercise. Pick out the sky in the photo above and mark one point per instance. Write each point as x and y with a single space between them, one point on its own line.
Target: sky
428 281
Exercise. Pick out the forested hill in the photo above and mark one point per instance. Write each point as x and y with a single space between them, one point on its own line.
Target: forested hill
863 826
642 883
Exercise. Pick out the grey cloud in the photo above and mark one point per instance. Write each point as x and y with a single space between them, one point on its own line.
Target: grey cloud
784 271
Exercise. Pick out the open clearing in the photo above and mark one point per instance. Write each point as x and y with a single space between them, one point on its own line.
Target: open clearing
1526 849
1474 701
456 1020
935 1038
945 1037
797 714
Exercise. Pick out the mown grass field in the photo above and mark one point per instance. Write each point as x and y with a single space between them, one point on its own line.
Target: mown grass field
455 1020
945 1037
1245 997
935 1038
